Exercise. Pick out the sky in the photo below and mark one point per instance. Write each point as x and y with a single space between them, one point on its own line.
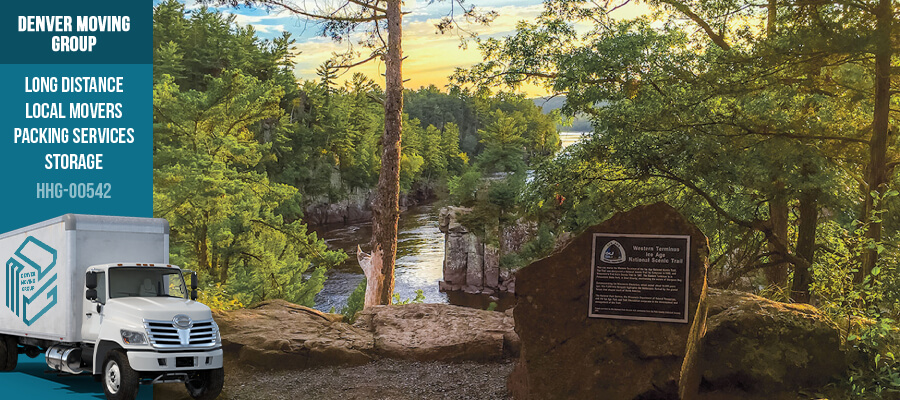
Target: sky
431 57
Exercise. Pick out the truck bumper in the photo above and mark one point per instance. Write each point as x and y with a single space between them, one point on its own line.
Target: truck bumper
151 361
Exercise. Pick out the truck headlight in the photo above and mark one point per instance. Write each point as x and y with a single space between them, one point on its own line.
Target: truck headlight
132 337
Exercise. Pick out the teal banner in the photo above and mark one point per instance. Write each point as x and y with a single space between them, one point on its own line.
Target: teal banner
76 122
76 110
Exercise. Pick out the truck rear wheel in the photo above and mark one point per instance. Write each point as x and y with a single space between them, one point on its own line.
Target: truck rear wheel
206 385
120 382
9 353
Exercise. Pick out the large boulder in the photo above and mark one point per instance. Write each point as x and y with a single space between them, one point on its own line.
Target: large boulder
280 335
567 355
763 346
429 332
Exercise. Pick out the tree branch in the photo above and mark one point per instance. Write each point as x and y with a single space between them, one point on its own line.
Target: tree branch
718 39
358 63
373 7
298 11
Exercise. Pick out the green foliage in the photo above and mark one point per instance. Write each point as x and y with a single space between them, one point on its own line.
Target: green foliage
539 247
877 374
217 297
473 113
879 293
228 219
504 146
464 188
241 149
419 299
720 125
216 127
189 46
355 302
506 193
867 311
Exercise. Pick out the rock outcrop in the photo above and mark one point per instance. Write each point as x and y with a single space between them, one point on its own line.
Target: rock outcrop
473 266
439 332
755 348
356 207
567 355
280 335
762 346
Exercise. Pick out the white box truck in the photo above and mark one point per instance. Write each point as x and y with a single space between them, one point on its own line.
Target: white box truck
97 295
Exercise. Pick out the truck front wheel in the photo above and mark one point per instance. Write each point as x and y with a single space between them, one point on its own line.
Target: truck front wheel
206 385
9 353
120 382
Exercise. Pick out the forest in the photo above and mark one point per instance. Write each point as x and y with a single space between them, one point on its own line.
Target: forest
772 126
241 147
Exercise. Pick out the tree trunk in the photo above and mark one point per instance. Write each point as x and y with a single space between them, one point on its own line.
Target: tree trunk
877 171
778 216
203 249
223 272
806 246
771 18
386 212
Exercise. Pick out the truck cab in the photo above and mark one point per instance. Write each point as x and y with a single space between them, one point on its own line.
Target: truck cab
142 324
131 322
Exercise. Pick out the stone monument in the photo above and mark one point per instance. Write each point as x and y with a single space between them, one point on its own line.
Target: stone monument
617 313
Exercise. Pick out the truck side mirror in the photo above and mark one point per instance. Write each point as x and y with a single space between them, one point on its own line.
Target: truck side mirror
90 281
194 284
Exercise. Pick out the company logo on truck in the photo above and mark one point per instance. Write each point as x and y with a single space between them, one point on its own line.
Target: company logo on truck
30 280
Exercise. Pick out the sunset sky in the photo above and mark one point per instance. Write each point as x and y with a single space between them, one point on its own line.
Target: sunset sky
431 57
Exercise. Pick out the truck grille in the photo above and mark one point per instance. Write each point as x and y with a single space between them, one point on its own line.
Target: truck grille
165 335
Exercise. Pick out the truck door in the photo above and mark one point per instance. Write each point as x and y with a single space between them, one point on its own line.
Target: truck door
90 329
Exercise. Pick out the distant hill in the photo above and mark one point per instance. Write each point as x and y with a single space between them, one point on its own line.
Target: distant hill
548 104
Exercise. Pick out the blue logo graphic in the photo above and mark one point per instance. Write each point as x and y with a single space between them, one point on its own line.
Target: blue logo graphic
613 253
30 287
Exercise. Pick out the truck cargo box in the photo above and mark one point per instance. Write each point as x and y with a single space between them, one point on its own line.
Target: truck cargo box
45 264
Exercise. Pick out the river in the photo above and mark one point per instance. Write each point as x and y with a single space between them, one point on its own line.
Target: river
420 263
420 258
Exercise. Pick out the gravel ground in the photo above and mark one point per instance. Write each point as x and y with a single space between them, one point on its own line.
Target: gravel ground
383 379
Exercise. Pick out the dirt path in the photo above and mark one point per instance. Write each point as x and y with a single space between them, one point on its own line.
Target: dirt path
383 379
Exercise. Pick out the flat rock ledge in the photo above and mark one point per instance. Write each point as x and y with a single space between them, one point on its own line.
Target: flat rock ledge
279 335
440 332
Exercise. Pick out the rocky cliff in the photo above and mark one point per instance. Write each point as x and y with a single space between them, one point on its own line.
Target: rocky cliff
470 264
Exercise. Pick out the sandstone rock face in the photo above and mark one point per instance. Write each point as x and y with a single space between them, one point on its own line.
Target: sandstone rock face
430 332
470 264
357 207
280 335
491 267
764 346
512 238
566 355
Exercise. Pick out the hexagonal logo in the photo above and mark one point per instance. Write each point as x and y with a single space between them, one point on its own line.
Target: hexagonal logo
31 281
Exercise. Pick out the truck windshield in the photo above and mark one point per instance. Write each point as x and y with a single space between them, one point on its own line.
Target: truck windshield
145 282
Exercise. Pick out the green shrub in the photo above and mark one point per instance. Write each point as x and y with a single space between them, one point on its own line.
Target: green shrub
355 302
